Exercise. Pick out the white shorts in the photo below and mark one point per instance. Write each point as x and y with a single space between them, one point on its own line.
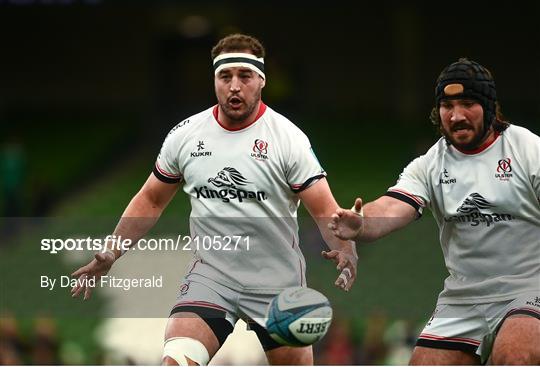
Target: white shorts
215 302
472 328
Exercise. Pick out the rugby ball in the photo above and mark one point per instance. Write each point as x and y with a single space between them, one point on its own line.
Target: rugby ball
298 316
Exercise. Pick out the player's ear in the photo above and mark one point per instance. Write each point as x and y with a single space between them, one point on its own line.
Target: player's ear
263 82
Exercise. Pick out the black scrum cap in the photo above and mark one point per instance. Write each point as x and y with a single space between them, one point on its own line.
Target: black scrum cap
466 79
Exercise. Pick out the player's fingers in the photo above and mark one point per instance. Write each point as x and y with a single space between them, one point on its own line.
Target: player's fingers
352 279
87 293
334 219
342 262
79 287
358 204
339 282
352 273
329 254
80 281
349 285
334 255
80 271
357 207
342 281
348 279
88 290
77 290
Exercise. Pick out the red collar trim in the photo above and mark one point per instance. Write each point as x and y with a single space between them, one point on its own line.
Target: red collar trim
481 148
262 110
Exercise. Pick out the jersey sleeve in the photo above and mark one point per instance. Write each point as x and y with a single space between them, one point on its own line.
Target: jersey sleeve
535 178
303 168
167 168
534 158
412 186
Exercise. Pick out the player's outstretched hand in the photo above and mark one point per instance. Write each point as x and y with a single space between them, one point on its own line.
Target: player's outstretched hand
346 265
347 224
95 269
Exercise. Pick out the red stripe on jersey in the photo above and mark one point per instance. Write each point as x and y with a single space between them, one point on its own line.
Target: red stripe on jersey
262 110
193 267
443 338
528 309
482 147
165 173
419 202
301 273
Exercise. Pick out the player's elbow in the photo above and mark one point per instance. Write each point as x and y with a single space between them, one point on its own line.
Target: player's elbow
149 201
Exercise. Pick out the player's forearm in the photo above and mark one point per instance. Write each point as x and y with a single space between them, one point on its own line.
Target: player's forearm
332 241
379 221
138 218
371 232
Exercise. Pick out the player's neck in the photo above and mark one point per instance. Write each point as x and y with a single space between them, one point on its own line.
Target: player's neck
229 124
484 143
488 140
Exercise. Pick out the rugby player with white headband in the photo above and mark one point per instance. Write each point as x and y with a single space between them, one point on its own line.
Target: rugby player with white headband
245 169
239 59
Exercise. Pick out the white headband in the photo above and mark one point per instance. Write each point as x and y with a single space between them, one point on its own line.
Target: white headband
237 59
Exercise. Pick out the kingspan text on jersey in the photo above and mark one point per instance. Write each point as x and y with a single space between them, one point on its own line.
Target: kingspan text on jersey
476 218
228 194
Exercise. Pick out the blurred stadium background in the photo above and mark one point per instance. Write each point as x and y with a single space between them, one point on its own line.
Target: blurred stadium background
88 90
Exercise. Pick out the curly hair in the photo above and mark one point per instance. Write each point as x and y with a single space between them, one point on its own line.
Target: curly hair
238 42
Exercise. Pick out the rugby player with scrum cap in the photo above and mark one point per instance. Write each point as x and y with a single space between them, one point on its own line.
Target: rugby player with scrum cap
481 181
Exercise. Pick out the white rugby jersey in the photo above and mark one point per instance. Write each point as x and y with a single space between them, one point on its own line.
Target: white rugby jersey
242 183
487 206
